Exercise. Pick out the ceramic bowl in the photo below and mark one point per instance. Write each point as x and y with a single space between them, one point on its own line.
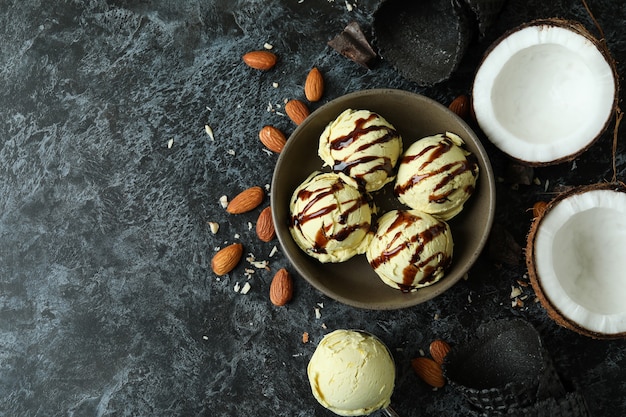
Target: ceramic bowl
354 282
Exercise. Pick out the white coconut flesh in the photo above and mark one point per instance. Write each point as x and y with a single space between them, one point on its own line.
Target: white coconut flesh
543 93
580 259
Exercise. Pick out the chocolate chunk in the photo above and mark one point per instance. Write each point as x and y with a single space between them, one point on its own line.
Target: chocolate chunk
352 43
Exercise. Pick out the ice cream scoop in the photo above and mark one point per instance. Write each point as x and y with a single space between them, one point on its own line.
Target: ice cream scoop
330 219
437 175
410 249
352 373
362 147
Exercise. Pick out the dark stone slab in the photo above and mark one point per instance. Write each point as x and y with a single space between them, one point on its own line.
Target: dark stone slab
108 306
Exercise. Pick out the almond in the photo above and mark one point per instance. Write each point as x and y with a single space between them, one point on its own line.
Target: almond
226 259
281 288
429 371
246 200
314 85
461 106
438 350
272 138
261 60
297 111
265 225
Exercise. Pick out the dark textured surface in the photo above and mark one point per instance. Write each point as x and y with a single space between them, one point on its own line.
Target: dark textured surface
108 306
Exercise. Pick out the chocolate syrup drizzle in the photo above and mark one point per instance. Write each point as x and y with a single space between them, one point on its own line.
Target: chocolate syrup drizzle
451 170
324 234
347 165
417 242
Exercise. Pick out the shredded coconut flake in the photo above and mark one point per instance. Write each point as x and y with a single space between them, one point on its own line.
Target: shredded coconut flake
214 227
515 292
209 131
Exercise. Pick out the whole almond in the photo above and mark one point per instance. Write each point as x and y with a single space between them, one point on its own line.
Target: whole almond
265 225
246 200
314 85
281 288
461 106
429 371
438 350
297 111
261 60
226 259
272 138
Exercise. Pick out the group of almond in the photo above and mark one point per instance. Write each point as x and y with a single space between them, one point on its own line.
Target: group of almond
227 258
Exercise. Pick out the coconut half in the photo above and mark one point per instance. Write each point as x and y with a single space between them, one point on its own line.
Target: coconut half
576 258
545 91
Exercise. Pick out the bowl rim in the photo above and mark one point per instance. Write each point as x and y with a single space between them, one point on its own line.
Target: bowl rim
441 286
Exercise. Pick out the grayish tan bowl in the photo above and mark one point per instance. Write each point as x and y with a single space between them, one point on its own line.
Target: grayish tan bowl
354 282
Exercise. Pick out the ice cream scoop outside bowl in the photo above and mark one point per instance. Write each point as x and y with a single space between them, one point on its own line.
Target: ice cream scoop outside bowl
352 373
354 282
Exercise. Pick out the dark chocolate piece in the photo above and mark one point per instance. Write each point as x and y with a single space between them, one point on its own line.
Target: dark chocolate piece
353 44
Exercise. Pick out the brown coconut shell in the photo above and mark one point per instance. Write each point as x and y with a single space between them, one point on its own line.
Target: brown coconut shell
535 280
580 29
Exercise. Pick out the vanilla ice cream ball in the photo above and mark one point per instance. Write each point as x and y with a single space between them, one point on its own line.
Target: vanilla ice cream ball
352 373
410 249
437 175
330 219
362 147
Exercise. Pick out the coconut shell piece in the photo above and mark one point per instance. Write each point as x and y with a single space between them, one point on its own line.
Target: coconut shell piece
353 44
576 28
504 368
554 313
425 40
